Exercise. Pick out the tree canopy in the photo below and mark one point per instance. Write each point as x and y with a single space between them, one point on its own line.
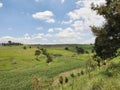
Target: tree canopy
108 36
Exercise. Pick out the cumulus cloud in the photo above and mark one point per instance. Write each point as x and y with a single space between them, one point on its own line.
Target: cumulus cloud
50 30
79 21
39 38
85 13
1 5
66 22
75 30
46 16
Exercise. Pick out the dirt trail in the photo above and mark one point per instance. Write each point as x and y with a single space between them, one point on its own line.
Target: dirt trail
66 74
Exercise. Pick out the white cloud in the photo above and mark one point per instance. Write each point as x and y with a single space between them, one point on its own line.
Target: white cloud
1 5
66 33
39 28
62 1
66 22
46 16
7 38
39 38
38 0
76 28
50 30
85 13
79 21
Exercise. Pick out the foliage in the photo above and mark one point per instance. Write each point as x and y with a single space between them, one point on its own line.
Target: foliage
108 36
97 59
37 53
113 69
49 58
72 75
66 48
118 52
24 47
10 43
80 50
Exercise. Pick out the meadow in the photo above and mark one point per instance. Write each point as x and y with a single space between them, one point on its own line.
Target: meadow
19 70
18 66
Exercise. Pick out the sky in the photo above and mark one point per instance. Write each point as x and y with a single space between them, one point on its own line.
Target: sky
48 21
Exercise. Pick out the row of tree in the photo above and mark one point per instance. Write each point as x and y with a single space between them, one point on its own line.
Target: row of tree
78 50
10 43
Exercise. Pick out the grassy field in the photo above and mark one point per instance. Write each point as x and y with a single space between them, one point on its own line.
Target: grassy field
19 70
18 66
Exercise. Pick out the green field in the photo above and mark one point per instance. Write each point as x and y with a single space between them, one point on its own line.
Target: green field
19 68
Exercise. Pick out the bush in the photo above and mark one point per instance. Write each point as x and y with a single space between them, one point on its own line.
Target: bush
118 52
61 80
96 86
24 47
37 53
112 70
66 48
80 50
66 80
49 58
72 75
30 47
82 72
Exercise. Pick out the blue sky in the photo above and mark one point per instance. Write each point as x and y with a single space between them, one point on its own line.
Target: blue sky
48 21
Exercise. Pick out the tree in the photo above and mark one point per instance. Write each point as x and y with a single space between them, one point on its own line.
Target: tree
9 42
49 58
37 53
80 50
108 36
66 48
24 47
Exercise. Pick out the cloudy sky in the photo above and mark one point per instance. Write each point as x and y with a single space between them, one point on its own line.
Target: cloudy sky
48 21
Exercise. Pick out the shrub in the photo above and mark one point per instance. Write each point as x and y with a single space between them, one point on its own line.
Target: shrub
80 50
66 48
97 59
82 72
112 70
49 58
66 80
61 80
24 47
37 53
86 52
96 86
72 75
30 47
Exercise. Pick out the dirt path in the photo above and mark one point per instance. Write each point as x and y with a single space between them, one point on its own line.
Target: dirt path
66 74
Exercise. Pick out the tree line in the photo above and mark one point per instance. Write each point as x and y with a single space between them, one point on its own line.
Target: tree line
10 43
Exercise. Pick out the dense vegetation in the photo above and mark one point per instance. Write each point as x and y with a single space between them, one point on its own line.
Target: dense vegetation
108 36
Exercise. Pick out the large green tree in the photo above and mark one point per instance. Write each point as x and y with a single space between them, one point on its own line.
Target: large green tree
108 36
